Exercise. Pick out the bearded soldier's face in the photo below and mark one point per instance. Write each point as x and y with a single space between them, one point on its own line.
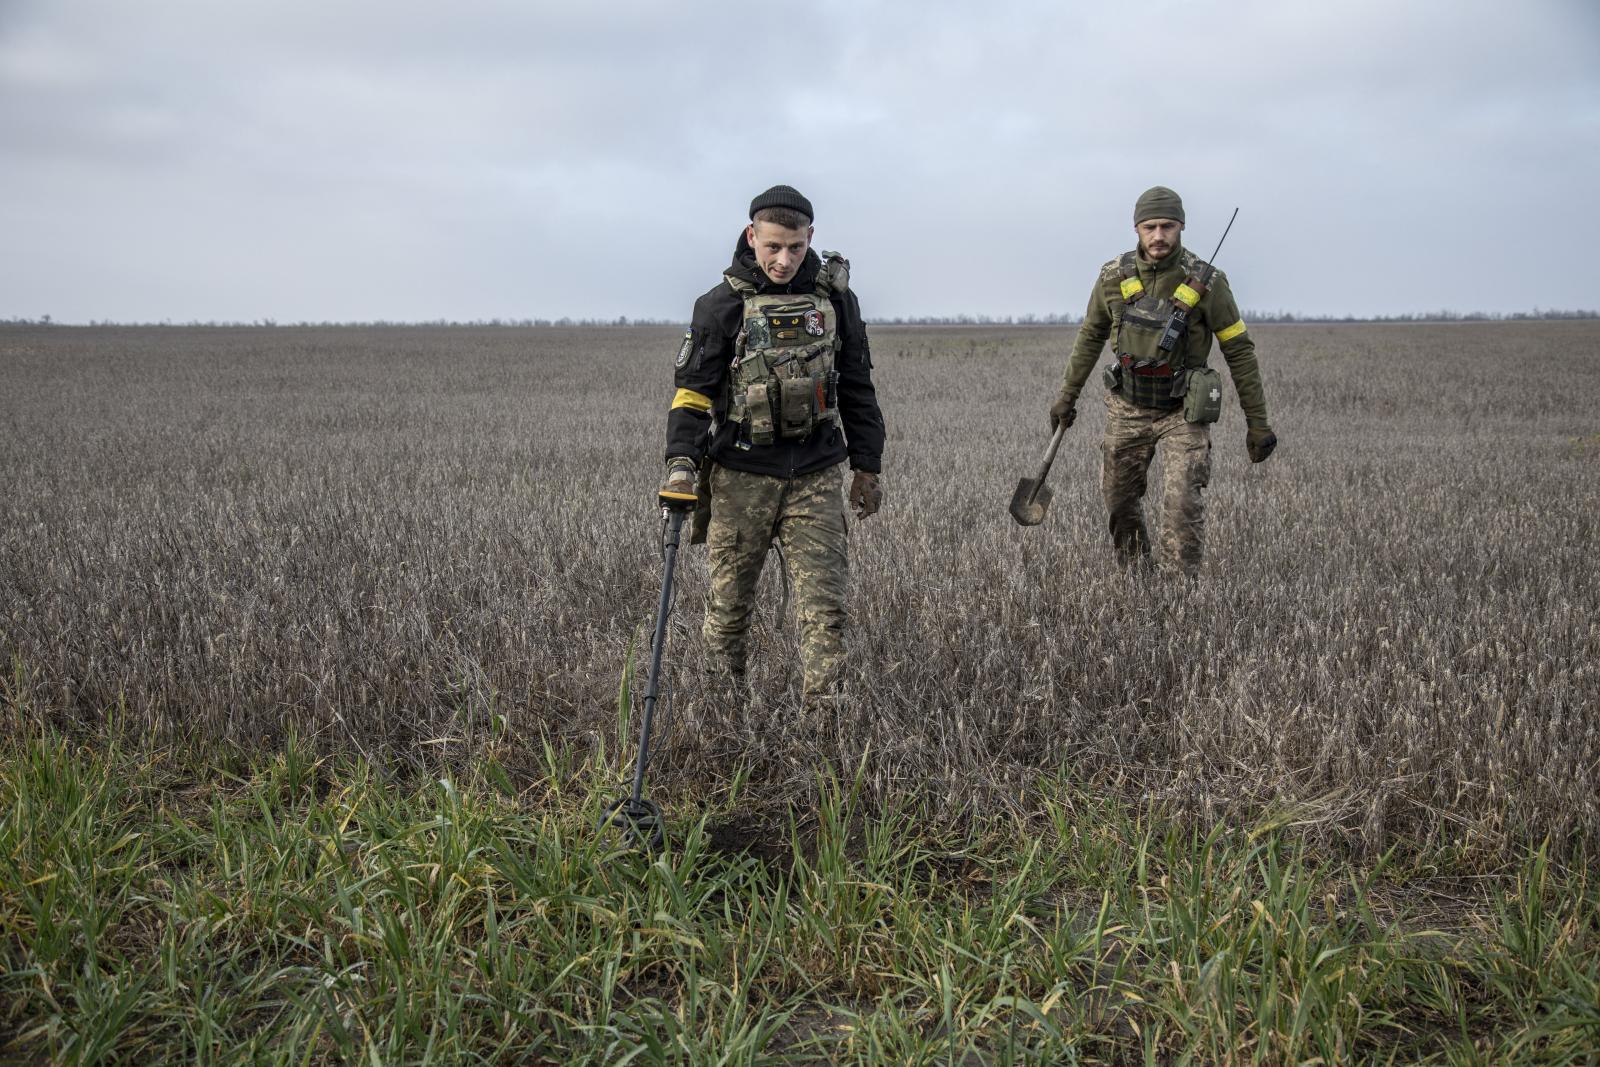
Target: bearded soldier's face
1158 237
779 250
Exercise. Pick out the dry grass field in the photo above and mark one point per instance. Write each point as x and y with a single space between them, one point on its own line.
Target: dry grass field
432 550
419 542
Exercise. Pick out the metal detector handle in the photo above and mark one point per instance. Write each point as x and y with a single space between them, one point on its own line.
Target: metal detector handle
1050 453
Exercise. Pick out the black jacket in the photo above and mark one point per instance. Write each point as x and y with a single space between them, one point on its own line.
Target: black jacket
703 369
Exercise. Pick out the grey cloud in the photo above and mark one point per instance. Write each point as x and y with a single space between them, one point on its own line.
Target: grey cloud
359 160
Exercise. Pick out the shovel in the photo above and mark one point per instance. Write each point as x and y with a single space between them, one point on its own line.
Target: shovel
1032 498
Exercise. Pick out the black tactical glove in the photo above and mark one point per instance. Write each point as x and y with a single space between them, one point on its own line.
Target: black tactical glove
1259 442
1064 410
678 491
866 495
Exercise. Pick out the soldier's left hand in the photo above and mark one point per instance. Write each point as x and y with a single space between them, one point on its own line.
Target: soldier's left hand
1260 442
866 494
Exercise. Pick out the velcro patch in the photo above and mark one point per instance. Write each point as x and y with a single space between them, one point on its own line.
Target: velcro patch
683 353
786 323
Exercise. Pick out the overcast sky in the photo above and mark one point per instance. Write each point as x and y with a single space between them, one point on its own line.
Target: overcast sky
353 160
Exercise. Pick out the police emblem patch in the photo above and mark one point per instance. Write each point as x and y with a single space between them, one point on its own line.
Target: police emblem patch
814 323
683 353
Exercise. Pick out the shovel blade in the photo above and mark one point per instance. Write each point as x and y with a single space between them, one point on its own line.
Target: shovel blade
1029 502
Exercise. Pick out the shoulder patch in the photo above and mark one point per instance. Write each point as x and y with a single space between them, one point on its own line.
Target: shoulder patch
683 353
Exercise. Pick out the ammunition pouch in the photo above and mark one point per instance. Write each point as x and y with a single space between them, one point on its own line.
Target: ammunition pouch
1113 377
798 408
754 410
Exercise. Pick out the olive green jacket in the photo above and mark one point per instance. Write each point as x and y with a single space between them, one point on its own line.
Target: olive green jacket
1217 315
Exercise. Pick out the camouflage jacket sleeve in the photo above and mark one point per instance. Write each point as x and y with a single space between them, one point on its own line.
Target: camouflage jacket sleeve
701 376
858 399
1092 336
1238 348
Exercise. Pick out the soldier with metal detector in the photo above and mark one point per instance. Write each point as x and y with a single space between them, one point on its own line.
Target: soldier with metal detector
774 393
1160 305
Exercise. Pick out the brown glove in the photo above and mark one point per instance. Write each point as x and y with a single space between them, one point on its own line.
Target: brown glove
1259 442
678 491
1065 409
866 495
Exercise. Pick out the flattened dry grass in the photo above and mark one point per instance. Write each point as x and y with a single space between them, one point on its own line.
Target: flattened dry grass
417 544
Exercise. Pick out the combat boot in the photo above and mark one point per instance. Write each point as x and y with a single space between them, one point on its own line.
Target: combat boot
1130 541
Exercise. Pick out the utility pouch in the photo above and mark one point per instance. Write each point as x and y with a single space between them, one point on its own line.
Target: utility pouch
758 413
799 398
1202 401
1113 376
701 521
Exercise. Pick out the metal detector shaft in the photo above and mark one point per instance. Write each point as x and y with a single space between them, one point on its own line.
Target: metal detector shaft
675 517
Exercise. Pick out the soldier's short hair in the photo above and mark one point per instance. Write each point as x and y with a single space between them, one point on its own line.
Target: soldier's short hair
788 218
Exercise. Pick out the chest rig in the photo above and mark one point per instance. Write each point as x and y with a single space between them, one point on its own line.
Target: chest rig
1151 336
783 383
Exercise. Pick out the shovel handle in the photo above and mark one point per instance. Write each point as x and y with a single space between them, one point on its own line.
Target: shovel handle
1050 453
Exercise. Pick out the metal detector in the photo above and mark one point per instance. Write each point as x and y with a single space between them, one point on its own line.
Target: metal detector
635 816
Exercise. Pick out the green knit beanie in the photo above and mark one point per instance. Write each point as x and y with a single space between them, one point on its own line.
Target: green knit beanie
1157 202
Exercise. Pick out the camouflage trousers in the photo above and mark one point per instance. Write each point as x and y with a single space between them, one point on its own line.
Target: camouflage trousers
1134 435
806 516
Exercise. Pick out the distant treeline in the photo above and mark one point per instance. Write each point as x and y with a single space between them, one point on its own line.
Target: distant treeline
621 320
1250 316
1537 314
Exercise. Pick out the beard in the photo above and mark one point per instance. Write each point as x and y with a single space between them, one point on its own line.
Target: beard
1145 251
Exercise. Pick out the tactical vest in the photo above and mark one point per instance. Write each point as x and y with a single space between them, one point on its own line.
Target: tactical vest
1150 377
783 383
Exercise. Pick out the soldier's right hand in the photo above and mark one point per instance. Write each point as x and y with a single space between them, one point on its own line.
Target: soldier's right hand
678 491
1064 410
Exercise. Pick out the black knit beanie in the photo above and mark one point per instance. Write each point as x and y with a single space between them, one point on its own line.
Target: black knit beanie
786 196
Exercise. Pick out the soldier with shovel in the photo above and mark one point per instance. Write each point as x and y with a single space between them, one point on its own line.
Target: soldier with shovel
1160 306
